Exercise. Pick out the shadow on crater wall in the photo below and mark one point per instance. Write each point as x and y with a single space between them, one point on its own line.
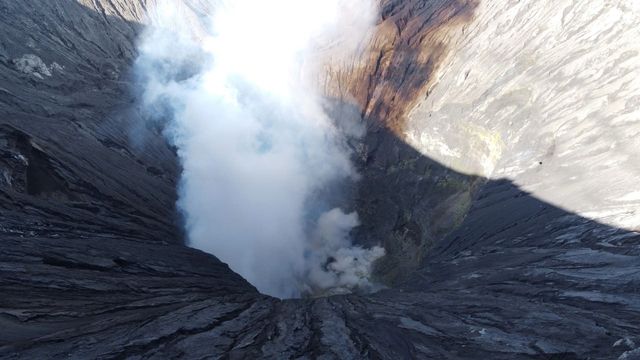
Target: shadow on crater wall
513 274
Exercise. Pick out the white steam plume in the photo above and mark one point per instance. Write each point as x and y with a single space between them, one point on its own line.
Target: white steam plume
254 141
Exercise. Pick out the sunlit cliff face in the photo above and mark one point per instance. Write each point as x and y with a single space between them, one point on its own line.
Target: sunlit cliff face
544 96
256 145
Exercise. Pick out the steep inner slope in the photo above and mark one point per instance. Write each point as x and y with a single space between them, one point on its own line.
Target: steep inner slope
499 164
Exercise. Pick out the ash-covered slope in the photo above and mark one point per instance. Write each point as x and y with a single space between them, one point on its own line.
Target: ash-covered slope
88 220
499 165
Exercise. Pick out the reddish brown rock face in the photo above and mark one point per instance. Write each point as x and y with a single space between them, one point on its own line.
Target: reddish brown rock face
392 69
399 60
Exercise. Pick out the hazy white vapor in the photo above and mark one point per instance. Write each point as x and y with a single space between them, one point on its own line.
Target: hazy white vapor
255 143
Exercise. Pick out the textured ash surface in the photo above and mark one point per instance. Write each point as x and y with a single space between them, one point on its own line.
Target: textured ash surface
511 261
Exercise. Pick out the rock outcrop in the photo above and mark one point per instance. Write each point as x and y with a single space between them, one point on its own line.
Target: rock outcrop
499 171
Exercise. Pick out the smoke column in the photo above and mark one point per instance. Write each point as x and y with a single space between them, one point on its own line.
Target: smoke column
254 141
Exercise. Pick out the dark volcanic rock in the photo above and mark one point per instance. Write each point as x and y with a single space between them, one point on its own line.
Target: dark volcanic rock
92 261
